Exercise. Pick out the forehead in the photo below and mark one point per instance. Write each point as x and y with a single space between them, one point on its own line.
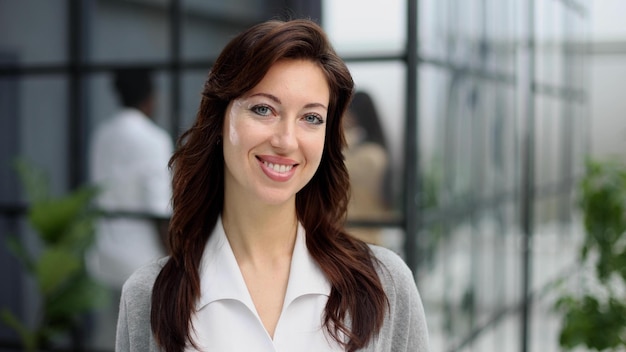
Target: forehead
295 79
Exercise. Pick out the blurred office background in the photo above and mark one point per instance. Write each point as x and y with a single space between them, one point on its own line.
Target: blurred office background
490 108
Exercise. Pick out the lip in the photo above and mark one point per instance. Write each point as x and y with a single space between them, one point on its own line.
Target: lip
273 174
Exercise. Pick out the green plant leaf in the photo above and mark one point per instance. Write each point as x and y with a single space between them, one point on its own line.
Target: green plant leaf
17 249
27 337
53 217
620 263
79 234
81 295
55 266
598 321
34 181
65 226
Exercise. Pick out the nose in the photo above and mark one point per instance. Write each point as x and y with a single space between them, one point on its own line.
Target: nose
284 137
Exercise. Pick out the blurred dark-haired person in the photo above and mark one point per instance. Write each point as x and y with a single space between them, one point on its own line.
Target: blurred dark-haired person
128 160
260 259
369 166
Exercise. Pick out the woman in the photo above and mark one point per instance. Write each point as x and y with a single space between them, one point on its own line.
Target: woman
369 166
260 260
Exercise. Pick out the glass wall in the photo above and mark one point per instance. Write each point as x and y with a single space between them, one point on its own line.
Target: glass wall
482 106
488 142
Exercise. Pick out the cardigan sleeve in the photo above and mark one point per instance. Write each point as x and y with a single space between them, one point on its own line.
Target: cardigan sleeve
134 333
404 328
122 340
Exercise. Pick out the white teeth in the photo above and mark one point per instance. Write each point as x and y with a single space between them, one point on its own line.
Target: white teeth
278 168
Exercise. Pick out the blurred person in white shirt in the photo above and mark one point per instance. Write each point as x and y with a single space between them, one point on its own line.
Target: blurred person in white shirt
129 157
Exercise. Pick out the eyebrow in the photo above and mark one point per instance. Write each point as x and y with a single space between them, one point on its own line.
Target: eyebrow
275 99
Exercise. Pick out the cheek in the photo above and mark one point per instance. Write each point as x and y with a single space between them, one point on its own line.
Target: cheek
315 148
233 123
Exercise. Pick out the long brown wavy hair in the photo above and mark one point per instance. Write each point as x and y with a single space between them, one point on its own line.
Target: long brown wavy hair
357 304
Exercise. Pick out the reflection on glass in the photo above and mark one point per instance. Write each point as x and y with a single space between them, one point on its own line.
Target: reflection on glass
130 31
192 83
42 127
208 25
472 33
33 32
367 27
549 129
384 84
473 113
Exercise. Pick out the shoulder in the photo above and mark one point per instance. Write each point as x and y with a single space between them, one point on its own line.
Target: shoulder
150 131
392 269
404 328
397 280
135 125
156 131
133 325
137 290
367 155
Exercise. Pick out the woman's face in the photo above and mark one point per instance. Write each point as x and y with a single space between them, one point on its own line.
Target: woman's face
274 134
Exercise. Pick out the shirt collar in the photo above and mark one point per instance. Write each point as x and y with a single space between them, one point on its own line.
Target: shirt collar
132 112
221 278
305 275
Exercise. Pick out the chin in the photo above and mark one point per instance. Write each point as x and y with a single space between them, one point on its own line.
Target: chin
277 197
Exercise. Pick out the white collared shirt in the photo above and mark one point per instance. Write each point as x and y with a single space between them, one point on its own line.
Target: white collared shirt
226 318
128 161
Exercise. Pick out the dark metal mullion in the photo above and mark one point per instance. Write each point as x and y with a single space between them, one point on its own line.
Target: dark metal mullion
306 8
586 82
460 209
175 66
479 121
53 69
220 19
375 223
78 124
559 92
470 71
412 179
528 181
77 119
567 128
555 188
576 7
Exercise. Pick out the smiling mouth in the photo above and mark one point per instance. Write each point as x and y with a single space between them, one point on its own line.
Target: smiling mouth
278 167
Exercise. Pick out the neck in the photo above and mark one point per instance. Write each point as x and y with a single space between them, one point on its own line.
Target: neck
144 107
145 111
260 235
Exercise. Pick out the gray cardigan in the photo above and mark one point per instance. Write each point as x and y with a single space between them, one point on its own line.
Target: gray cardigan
404 328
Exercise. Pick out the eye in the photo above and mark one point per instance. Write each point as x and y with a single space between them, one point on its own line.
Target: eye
313 119
262 110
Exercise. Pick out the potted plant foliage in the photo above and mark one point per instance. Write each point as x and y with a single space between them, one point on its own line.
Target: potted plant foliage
64 226
594 316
